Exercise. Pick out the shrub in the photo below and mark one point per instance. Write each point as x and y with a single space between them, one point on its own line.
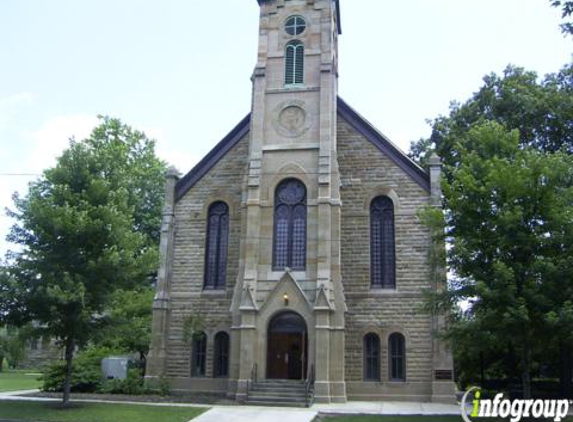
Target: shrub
164 388
86 376
132 385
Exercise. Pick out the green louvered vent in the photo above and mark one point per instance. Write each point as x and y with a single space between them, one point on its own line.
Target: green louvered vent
294 63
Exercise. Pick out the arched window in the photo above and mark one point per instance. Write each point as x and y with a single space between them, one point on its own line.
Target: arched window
397 354
371 357
294 63
382 245
221 358
216 246
198 355
289 249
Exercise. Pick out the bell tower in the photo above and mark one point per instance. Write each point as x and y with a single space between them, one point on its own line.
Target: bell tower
293 141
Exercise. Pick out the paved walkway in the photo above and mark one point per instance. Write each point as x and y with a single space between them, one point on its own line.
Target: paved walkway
256 414
266 414
281 414
388 408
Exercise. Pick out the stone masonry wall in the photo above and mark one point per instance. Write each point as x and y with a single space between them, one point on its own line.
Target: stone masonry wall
366 172
224 182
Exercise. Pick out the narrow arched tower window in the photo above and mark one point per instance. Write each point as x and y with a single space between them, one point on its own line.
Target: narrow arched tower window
294 63
289 246
397 354
371 357
216 246
382 244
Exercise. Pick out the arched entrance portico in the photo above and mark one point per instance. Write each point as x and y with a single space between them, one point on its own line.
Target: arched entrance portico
287 347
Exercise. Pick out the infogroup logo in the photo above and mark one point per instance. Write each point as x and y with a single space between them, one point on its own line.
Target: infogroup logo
515 410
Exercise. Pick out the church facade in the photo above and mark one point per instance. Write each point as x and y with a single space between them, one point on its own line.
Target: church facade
294 248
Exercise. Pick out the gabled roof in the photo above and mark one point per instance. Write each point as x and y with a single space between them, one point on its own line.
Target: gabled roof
212 158
365 128
359 123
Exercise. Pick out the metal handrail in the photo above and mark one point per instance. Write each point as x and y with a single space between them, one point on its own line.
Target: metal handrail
252 379
310 387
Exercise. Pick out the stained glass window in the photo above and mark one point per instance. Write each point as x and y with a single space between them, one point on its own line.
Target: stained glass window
382 243
216 247
397 352
289 248
371 357
221 358
198 355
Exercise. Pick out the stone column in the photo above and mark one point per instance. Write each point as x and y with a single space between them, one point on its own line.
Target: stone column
435 180
443 387
248 372
322 355
156 360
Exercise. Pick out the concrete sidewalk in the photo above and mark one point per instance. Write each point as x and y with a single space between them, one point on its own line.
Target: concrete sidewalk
256 414
17 393
388 408
268 414
279 414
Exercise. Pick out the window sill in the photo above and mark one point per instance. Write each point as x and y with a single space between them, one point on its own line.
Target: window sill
384 291
396 384
295 86
212 293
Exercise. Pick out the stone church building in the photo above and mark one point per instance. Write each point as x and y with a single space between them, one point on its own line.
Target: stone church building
295 245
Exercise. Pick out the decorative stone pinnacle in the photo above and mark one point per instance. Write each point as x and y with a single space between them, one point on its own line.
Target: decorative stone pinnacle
172 172
435 160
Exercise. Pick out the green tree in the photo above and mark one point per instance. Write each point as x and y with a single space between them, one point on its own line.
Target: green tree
129 321
541 111
567 11
87 227
509 224
13 345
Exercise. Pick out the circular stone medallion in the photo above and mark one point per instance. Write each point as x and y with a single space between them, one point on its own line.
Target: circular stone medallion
292 120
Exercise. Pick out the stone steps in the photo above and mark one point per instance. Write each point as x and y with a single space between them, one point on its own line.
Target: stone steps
278 393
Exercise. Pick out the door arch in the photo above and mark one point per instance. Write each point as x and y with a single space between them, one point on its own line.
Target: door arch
287 347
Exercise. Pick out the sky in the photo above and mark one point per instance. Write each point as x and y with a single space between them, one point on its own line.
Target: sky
180 69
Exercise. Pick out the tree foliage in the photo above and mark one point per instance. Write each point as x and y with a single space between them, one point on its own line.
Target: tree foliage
88 227
12 347
541 111
566 12
128 325
509 222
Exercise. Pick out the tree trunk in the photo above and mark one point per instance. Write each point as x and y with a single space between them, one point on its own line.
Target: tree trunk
1 363
482 369
526 371
566 371
70 347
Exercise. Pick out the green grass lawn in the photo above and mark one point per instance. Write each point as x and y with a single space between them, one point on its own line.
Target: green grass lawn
18 380
95 412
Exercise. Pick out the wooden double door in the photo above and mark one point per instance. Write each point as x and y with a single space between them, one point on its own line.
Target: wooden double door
287 346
